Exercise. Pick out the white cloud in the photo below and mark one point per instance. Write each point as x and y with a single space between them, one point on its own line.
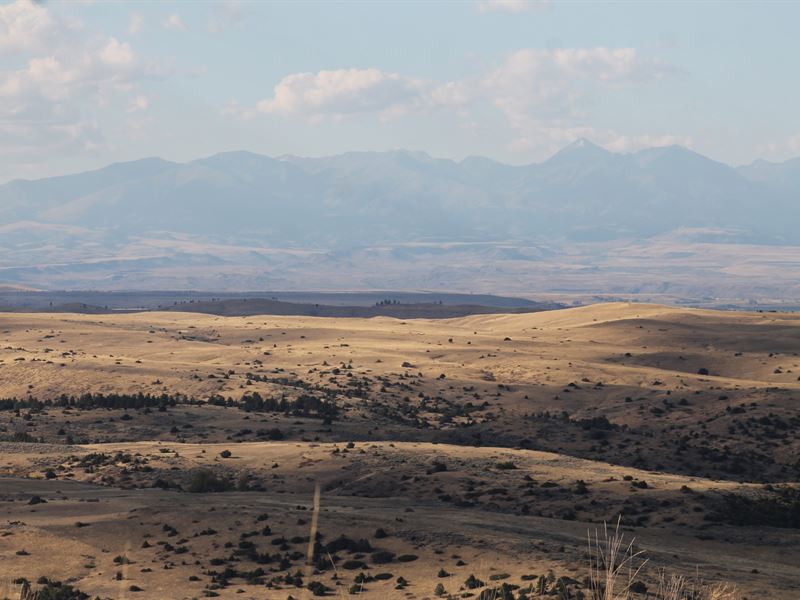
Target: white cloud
24 26
529 86
63 80
135 24
62 83
535 82
117 54
339 92
343 92
545 94
175 23
515 6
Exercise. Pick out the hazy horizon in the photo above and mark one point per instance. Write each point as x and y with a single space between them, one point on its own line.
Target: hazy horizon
665 224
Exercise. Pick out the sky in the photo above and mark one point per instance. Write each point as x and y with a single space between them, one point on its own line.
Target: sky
87 83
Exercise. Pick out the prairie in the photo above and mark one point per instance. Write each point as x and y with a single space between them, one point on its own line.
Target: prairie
179 453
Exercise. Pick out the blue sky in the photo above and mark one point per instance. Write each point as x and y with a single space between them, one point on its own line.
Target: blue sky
83 84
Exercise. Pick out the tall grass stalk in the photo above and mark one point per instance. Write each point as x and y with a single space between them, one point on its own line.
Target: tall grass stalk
613 564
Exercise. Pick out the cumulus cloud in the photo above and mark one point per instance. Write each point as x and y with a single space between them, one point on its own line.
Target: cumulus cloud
117 54
515 6
545 95
531 85
343 92
24 26
340 92
46 84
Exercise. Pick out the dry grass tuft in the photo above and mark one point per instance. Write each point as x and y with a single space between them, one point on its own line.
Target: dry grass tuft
615 566
678 587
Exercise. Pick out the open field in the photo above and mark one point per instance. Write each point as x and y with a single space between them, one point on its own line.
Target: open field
495 441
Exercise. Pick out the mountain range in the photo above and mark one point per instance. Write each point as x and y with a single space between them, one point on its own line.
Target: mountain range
101 227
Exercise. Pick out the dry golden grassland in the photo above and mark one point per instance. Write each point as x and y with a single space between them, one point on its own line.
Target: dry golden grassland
454 455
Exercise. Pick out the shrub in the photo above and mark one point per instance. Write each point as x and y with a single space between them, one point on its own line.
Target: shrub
318 588
205 481
51 590
779 508
382 557
407 558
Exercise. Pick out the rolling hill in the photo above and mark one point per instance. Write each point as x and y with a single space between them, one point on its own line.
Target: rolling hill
483 447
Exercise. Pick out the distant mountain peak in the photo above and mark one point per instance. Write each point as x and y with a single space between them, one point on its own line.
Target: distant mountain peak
580 149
